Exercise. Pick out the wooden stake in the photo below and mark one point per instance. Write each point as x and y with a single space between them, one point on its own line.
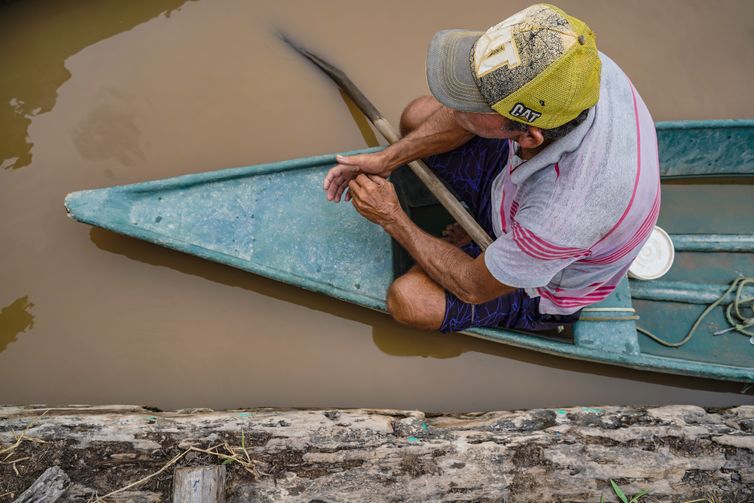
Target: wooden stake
202 484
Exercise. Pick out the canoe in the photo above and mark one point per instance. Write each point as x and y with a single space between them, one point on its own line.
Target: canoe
273 220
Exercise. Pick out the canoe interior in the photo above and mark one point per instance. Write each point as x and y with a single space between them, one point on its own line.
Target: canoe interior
708 208
273 220
698 151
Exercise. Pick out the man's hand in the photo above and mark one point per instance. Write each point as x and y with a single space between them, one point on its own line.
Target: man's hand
375 198
337 179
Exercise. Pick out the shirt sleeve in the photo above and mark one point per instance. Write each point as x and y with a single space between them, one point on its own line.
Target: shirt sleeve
522 259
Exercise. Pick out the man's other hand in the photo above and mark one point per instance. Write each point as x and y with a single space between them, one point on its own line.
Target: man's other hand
375 199
337 179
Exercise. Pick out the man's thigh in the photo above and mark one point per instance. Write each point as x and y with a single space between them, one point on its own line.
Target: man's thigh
418 301
469 172
515 310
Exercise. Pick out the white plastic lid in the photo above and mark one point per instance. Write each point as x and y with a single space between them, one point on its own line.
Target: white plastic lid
655 257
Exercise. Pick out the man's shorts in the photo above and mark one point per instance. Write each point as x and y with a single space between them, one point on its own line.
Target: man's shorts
469 171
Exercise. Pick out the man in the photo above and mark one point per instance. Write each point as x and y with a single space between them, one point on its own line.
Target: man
553 151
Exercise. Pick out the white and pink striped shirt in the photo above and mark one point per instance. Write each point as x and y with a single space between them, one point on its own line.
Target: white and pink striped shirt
570 220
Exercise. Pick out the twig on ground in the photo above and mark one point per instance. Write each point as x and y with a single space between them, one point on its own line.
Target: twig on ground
243 446
11 448
9 451
20 438
14 461
234 455
141 481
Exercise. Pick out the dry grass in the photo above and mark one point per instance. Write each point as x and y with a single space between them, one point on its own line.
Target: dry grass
8 452
226 452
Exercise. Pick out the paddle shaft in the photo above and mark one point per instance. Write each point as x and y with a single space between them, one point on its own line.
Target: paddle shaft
422 171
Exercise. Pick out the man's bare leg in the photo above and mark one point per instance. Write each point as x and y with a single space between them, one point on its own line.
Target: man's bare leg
415 299
417 112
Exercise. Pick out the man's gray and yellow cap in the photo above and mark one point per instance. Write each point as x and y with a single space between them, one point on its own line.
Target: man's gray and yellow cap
539 67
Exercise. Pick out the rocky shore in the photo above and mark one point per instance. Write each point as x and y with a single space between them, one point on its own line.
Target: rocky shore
135 454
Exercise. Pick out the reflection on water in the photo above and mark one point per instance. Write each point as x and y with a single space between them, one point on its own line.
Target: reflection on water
391 338
109 131
361 121
401 341
15 319
38 48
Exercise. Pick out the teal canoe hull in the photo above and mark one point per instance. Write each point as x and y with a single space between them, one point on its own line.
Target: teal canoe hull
273 220
267 219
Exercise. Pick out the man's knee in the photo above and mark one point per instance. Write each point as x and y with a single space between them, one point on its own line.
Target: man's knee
412 301
417 112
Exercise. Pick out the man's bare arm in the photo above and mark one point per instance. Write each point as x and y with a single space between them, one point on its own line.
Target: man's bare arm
467 278
439 133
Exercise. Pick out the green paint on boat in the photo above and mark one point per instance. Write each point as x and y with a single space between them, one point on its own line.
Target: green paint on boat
273 220
592 410
706 148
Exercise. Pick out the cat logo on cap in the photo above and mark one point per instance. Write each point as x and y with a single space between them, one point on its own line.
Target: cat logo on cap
523 112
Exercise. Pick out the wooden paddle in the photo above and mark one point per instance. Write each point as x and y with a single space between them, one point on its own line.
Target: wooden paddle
446 198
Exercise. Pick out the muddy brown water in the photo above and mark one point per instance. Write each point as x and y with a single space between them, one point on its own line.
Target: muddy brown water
99 93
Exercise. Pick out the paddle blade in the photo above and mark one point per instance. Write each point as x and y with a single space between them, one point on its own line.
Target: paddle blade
338 76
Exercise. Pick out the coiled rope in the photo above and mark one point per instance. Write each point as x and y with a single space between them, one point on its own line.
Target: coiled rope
733 314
